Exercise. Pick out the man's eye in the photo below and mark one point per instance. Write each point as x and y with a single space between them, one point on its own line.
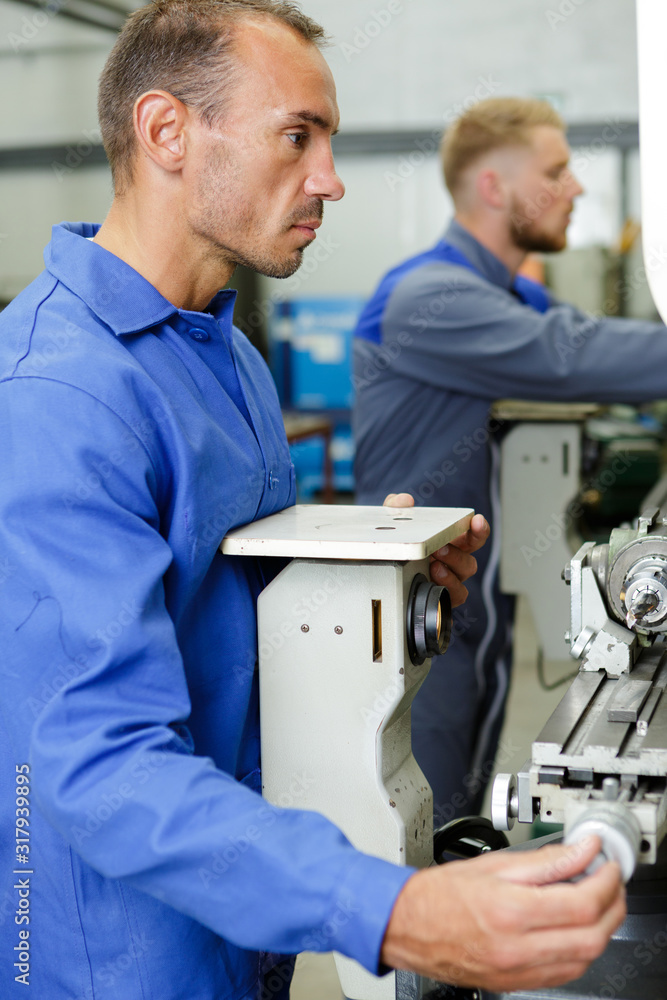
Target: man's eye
298 138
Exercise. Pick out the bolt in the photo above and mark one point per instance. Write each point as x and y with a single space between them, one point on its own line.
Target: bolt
338 630
305 628
610 787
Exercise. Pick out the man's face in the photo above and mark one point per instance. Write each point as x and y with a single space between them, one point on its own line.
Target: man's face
258 179
543 190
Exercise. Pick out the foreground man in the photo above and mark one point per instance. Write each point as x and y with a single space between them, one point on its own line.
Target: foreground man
138 427
446 334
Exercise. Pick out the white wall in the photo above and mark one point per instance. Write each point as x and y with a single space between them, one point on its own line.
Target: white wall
418 70
34 200
392 209
427 58
49 68
436 52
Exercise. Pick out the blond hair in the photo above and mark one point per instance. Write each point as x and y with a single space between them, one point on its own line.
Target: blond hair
491 124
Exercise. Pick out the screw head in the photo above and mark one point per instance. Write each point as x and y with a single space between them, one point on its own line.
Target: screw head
305 628
338 630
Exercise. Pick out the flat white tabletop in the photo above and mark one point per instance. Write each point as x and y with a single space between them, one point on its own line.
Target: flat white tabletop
338 531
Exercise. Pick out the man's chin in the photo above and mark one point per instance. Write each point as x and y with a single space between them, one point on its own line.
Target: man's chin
541 243
273 267
284 268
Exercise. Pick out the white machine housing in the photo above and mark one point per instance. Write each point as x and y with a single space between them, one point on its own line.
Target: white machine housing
337 680
651 35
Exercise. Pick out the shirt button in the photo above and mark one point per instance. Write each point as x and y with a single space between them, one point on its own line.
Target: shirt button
197 334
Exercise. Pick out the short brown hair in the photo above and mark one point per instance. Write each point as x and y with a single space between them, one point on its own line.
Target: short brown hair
185 48
491 124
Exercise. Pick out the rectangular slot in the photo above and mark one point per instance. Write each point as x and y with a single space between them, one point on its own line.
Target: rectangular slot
377 631
566 458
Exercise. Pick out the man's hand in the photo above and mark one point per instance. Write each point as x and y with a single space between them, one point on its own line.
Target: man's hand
506 921
453 564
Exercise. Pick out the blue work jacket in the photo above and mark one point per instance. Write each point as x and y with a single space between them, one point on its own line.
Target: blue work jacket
448 332
444 335
145 865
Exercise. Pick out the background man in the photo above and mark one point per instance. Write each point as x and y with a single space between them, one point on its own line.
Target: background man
138 427
446 334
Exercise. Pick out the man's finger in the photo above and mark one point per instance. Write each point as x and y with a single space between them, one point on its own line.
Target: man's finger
575 943
474 538
461 564
399 500
581 904
555 863
445 578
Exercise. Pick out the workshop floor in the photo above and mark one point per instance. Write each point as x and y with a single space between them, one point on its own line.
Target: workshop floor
529 706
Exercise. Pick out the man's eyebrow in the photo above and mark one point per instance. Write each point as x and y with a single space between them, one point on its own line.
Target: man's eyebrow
310 116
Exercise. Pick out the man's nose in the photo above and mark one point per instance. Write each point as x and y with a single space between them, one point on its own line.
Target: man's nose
323 182
575 187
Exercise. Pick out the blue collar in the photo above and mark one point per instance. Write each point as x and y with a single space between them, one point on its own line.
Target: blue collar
118 295
479 258
460 247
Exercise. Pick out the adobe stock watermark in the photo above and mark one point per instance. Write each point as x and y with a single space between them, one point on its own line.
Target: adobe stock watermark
76 153
387 699
445 812
267 814
411 162
7 570
565 10
583 156
579 334
129 612
655 258
366 33
112 801
74 666
262 309
553 188
388 352
32 24
131 440
277 972
645 952
108 973
561 522
464 449
301 615
384 358
64 673
58 341
320 938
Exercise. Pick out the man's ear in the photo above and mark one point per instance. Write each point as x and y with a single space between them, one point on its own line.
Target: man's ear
491 189
159 120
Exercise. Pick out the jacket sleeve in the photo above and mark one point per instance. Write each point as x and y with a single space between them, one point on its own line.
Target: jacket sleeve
113 769
456 331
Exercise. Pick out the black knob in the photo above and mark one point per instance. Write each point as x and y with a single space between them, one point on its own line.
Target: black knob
429 619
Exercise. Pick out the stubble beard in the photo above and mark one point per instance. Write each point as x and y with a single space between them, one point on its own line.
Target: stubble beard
286 266
234 251
270 267
237 249
526 236
538 242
